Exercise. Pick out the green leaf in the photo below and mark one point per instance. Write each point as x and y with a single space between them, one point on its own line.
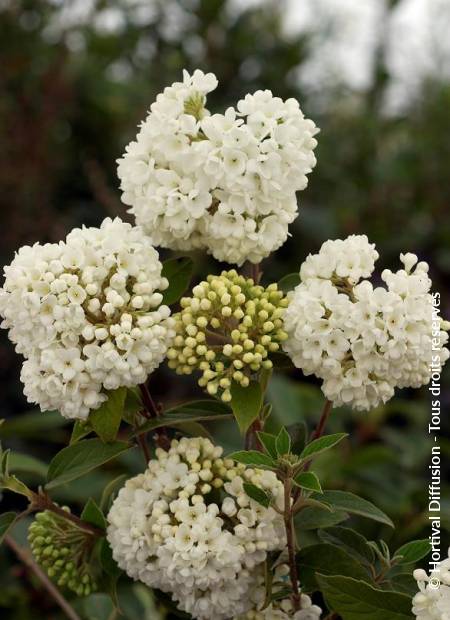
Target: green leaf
106 419
81 429
92 514
413 551
353 542
110 490
353 599
252 457
34 425
268 442
98 606
9 482
348 502
257 494
289 282
179 273
80 458
298 433
107 561
202 406
199 411
312 518
6 521
321 445
283 442
28 464
308 480
326 559
246 403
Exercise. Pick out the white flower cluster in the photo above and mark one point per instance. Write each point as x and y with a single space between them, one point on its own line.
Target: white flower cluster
186 526
363 341
279 609
223 182
86 315
432 602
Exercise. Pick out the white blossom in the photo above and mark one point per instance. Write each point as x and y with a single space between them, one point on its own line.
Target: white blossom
86 314
363 341
223 182
432 602
167 531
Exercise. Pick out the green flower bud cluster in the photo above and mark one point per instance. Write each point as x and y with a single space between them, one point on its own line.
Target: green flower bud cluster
63 550
227 330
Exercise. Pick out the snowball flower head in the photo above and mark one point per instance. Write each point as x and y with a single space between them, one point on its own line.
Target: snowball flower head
432 602
166 530
227 330
86 314
364 341
223 182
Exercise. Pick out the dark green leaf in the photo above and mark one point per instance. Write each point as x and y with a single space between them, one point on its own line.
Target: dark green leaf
6 521
353 599
348 502
320 445
106 419
298 433
289 282
413 551
27 464
203 406
35 425
246 403
312 518
178 417
257 494
92 514
403 582
80 429
308 480
281 361
179 273
268 441
107 561
353 542
252 457
327 559
110 490
283 442
80 458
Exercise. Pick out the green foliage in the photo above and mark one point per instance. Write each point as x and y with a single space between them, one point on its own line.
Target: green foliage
105 420
259 495
179 273
6 522
289 282
246 403
354 599
253 458
353 542
327 559
197 411
413 551
322 444
92 514
351 503
283 442
80 458
308 480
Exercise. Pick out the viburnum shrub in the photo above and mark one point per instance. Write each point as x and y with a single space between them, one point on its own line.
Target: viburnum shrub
94 315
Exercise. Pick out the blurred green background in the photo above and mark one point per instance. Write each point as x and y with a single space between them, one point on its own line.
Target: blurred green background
76 78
